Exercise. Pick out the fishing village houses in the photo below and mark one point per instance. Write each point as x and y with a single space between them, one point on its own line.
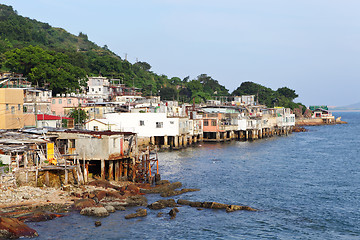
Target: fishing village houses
39 140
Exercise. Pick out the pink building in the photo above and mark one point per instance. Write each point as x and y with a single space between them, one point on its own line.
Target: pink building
59 103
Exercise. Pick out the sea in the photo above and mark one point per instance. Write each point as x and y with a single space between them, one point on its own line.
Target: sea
305 186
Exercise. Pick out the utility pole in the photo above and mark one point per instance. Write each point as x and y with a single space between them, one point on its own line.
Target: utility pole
35 110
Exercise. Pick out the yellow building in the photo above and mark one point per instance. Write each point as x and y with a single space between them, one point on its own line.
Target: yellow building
11 108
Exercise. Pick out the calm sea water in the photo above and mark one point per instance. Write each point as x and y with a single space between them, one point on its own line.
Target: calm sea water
306 186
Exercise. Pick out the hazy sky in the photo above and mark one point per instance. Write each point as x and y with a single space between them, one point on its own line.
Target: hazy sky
312 46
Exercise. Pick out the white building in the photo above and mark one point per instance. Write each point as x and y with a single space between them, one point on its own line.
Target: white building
98 88
145 124
101 125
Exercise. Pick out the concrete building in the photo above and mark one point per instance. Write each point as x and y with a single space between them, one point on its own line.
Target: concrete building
98 88
46 120
60 103
11 108
39 99
101 125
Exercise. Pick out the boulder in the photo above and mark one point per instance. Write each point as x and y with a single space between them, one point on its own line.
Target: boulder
84 203
136 201
162 182
162 188
215 205
173 212
177 192
14 228
132 188
104 184
107 195
97 223
39 217
196 204
117 205
183 202
233 208
110 209
95 211
139 213
162 204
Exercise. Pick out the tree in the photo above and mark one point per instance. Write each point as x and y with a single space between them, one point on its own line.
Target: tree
143 65
79 115
44 66
287 92
168 93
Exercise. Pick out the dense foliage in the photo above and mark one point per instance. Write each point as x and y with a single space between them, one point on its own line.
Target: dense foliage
79 115
281 97
61 61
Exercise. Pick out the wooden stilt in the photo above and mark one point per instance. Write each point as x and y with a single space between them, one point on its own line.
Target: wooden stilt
111 170
47 180
117 170
121 168
102 169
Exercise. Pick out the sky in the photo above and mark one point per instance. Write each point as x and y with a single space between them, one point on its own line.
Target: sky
311 46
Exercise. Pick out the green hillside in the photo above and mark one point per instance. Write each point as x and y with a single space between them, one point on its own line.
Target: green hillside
62 61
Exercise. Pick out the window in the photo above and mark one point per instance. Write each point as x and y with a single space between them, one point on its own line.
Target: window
142 123
99 89
92 89
12 109
159 124
206 123
60 101
19 107
96 128
171 122
69 101
53 101
97 111
7 106
213 122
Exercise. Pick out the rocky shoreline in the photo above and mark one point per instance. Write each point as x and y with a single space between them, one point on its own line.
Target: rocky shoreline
98 198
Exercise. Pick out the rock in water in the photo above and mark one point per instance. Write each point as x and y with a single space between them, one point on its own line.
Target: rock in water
173 212
95 211
139 213
162 204
97 224
233 208
13 228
